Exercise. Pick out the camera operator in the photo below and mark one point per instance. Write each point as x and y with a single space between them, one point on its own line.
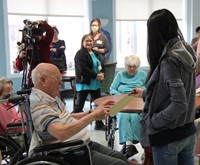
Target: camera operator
39 52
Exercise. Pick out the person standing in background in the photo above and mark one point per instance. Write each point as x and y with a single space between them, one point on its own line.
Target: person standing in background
107 34
101 44
39 51
198 49
195 40
197 71
57 51
89 70
167 123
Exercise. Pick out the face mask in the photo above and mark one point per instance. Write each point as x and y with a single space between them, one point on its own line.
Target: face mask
95 29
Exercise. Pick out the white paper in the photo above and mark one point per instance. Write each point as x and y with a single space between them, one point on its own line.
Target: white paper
121 104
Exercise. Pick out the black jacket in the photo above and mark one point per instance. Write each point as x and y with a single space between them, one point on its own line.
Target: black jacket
84 65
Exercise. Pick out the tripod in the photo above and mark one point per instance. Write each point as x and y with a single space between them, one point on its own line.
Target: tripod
29 61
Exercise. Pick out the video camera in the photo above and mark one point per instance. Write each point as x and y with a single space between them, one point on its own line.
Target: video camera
32 29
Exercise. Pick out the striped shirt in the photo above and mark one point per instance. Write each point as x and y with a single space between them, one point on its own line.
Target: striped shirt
46 110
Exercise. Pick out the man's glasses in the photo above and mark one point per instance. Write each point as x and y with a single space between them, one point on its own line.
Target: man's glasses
59 78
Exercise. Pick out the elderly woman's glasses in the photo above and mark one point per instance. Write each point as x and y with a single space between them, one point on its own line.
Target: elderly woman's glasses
131 66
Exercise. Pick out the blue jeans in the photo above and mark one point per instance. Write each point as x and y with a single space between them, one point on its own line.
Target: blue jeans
176 153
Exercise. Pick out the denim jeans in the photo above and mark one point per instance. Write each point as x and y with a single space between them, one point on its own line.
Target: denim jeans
176 153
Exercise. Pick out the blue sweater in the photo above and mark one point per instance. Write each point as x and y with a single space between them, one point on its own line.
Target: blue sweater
124 83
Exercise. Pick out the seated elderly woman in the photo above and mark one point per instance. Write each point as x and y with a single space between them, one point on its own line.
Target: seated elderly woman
11 115
129 123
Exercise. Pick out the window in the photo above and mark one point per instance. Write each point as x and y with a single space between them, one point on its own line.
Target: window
131 39
131 28
16 24
67 16
71 31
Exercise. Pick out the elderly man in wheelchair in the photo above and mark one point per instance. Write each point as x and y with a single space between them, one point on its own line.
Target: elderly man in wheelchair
54 124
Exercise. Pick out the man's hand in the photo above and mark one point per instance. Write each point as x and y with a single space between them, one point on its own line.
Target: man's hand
103 110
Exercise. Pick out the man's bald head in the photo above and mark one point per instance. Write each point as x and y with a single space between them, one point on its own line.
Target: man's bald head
47 78
42 69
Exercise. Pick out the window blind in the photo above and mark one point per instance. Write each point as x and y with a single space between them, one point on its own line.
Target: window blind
142 9
46 7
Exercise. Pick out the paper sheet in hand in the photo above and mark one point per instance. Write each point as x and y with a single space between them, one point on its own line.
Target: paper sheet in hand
120 105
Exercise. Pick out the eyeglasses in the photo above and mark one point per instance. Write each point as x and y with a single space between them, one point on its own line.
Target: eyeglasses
59 78
130 66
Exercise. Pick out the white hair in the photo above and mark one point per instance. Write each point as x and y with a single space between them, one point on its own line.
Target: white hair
132 60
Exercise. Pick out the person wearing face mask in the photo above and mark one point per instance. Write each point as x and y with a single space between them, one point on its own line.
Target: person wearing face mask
129 123
101 45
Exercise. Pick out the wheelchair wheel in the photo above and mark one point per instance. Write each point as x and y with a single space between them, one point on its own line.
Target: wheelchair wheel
19 155
107 131
111 140
8 148
42 160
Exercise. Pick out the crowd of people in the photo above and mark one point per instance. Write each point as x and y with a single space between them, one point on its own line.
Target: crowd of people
168 91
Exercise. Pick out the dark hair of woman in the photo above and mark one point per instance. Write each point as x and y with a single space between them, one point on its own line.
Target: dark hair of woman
161 27
56 29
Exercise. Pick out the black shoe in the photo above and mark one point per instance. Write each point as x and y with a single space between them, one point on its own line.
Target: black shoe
123 149
130 151
100 127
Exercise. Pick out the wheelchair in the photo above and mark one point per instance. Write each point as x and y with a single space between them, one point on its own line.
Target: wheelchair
111 127
64 153
68 153
8 149
10 143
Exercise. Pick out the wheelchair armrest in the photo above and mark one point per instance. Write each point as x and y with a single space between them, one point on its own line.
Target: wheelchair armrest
11 125
49 147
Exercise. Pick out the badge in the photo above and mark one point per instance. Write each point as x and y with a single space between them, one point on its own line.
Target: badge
99 68
99 42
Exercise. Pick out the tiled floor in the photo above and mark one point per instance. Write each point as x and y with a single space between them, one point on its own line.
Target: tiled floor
99 136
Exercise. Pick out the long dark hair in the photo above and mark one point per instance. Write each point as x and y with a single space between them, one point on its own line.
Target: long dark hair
161 27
